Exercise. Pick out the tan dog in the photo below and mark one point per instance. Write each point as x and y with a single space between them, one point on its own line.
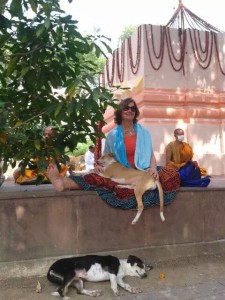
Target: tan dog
140 181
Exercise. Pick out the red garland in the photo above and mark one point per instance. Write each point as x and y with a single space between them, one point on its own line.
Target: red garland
110 80
206 41
135 67
161 48
161 51
198 43
203 61
217 53
196 52
120 62
171 53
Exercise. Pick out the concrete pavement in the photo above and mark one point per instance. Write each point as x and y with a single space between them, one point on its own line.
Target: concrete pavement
196 278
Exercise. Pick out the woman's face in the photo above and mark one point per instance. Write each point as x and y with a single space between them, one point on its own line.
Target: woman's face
128 112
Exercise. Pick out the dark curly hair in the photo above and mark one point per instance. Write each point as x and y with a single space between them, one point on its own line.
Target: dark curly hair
118 113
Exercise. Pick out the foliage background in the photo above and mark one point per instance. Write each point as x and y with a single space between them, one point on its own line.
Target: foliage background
48 76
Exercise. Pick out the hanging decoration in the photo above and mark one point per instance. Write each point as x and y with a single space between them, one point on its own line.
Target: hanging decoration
203 39
161 48
182 46
203 62
110 79
135 66
183 18
120 54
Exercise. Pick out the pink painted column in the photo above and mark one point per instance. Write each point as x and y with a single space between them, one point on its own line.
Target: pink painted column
192 98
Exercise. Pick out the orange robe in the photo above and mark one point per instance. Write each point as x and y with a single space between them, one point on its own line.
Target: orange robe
31 175
181 155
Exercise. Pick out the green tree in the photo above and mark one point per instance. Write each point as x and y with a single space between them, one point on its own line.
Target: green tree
127 32
39 57
81 148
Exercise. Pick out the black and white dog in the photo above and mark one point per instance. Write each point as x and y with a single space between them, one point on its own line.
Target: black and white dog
72 271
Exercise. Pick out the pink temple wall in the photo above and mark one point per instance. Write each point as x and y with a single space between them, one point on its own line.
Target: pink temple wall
192 98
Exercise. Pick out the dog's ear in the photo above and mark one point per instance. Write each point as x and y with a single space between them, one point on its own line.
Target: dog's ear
132 259
148 268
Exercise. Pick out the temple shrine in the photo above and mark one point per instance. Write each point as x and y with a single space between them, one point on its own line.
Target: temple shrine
176 74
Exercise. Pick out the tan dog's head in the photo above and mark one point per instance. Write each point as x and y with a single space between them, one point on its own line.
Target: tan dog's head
106 159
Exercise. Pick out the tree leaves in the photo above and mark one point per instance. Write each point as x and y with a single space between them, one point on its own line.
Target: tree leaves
40 29
48 76
4 22
16 8
33 5
12 65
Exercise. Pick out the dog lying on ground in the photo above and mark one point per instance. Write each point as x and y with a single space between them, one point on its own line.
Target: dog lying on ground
140 181
72 271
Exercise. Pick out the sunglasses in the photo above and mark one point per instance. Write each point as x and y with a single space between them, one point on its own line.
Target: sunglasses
132 108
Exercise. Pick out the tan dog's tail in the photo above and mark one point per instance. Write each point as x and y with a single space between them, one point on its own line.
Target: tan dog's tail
161 199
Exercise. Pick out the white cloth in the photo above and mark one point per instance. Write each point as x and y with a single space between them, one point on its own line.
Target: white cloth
89 160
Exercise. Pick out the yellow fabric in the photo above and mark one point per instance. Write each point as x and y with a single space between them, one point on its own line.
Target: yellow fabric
31 175
181 153
203 171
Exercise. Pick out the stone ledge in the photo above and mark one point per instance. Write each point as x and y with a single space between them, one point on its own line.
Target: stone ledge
43 223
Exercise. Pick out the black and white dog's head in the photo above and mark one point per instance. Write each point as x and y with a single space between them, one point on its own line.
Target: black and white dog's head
137 267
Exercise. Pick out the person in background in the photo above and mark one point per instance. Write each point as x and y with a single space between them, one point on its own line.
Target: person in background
129 141
89 158
178 152
49 132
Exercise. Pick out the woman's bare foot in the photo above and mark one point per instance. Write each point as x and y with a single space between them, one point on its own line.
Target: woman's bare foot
56 179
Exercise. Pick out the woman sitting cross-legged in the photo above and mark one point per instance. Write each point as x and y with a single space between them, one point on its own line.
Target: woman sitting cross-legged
131 144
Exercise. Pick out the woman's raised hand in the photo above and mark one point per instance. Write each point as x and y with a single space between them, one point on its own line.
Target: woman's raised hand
153 172
98 169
